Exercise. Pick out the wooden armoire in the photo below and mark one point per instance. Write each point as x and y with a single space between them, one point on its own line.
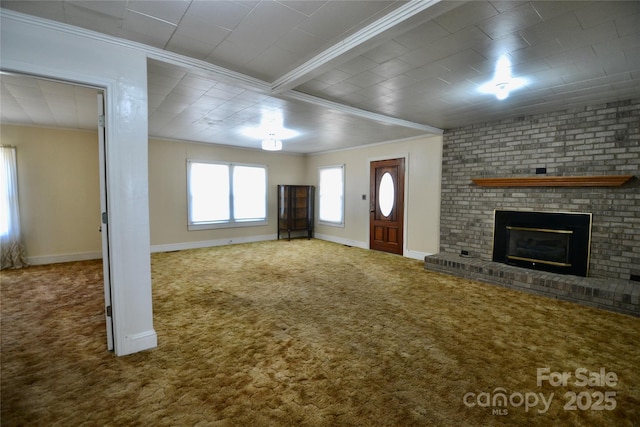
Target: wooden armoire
295 209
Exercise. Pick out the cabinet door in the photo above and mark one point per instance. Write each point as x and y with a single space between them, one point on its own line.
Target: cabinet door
300 207
283 206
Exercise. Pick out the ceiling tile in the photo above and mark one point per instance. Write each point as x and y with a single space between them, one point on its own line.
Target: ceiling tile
266 23
219 13
594 13
461 60
20 92
198 28
620 44
493 49
628 24
504 5
235 56
460 18
365 79
273 62
422 36
307 7
536 52
512 20
299 42
313 86
398 82
114 9
434 69
92 20
334 76
185 45
340 89
585 55
555 27
335 19
466 38
392 68
357 65
144 29
551 9
196 82
578 39
633 58
390 50
51 9
166 10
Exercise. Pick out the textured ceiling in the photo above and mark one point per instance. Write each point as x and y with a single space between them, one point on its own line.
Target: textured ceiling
343 73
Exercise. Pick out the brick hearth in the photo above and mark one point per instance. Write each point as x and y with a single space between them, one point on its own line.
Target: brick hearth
622 296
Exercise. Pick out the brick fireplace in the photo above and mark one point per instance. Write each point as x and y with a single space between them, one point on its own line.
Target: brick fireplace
595 140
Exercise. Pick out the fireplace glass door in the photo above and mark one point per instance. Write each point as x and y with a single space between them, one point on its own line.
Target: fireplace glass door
558 242
539 245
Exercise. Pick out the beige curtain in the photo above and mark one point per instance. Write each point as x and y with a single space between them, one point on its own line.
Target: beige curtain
11 249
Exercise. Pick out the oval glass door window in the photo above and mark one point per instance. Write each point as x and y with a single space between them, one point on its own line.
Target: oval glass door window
386 194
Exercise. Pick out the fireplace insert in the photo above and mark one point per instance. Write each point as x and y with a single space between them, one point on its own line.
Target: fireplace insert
550 241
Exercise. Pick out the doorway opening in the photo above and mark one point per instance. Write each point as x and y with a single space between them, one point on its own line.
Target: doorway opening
63 214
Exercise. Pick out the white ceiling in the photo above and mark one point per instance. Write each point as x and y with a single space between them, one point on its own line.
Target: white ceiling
342 73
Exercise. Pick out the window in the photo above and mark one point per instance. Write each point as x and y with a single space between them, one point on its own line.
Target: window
226 195
11 248
331 195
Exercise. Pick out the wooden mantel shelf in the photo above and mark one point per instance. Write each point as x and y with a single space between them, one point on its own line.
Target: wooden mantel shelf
555 181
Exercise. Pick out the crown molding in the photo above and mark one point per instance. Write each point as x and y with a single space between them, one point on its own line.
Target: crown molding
361 113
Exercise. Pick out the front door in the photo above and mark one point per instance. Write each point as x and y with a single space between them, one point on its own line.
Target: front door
386 212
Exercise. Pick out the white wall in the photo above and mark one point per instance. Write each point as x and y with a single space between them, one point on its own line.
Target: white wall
422 188
53 50
168 192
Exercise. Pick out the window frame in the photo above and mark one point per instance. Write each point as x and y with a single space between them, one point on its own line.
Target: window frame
232 222
342 207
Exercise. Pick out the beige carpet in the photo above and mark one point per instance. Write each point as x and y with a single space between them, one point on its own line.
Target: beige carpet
308 333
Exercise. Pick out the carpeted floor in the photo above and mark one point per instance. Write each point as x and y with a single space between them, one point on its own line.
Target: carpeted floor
310 333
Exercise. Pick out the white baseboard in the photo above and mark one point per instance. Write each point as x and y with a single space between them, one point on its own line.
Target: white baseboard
416 254
54 259
358 244
209 243
347 242
137 342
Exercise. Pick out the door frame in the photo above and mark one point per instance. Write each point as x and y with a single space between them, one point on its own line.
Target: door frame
104 195
405 235
104 222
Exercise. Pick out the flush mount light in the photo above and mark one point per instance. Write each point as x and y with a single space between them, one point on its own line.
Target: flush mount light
271 124
271 143
502 83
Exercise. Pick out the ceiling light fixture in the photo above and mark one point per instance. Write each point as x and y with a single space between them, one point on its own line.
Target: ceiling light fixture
271 143
502 83
271 124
